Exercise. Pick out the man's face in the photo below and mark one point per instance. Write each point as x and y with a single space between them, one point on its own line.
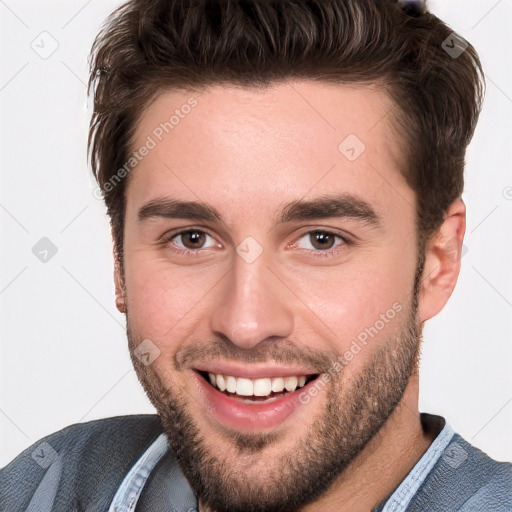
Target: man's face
265 293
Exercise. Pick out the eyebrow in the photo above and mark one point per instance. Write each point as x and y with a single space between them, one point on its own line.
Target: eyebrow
323 207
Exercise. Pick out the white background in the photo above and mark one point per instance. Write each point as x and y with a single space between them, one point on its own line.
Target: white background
64 357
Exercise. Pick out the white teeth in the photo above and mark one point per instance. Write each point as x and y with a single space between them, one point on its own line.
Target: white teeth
262 387
256 387
231 384
221 383
277 385
244 387
290 383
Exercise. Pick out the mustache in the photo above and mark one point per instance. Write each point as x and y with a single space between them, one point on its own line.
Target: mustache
281 351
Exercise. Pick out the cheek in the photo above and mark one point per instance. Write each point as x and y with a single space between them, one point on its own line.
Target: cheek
353 306
360 303
162 298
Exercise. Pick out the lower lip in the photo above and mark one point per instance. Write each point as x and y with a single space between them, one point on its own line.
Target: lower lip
252 417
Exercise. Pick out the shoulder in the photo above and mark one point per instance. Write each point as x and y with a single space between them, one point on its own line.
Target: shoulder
96 436
96 454
490 480
466 479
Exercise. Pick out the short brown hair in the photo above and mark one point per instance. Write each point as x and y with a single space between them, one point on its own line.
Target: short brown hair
149 46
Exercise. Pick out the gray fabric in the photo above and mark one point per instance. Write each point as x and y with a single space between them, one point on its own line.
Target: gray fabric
466 480
95 457
45 494
81 468
166 488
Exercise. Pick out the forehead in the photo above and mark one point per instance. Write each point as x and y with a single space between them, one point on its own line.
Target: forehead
230 144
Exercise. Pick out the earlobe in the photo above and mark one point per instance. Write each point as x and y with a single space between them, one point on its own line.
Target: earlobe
442 262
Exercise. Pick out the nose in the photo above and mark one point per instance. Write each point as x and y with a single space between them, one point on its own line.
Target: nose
253 305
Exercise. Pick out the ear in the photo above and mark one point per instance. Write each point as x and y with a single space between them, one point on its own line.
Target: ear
442 262
118 279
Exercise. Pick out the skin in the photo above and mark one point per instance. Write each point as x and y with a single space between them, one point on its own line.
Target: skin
247 153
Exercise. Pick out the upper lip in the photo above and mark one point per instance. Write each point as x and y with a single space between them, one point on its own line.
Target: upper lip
254 370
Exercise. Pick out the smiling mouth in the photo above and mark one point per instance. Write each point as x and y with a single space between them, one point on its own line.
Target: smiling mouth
256 390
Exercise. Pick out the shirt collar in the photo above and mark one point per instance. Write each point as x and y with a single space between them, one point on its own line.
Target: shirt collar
405 492
130 489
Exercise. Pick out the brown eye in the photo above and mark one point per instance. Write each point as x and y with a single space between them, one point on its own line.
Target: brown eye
192 239
322 240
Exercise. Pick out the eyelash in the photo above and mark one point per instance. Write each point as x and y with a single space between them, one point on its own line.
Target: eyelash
316 253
